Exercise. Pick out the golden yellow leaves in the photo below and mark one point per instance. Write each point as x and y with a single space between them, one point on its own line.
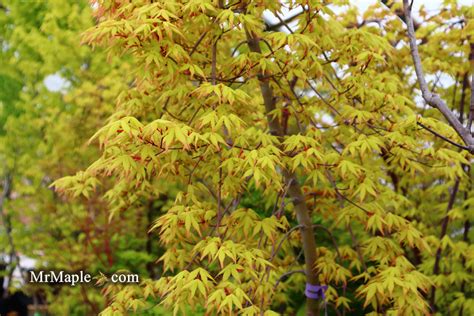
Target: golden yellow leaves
184 287
223 94
221 292
364 145
227 298
179 220
81 183
368 155
330 271
400 281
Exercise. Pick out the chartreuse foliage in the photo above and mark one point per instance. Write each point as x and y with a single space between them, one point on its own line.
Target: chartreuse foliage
291 153
318 118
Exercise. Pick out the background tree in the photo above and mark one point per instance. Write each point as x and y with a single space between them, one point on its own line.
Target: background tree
44 130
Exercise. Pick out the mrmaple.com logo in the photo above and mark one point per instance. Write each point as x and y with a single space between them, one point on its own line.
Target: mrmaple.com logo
73 278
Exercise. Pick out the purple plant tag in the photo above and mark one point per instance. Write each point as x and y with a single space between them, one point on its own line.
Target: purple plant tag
315 291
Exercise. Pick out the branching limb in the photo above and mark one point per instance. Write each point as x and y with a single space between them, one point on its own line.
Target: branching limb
433 99
197 43
277 26
471 104
286 275
399 12
442 137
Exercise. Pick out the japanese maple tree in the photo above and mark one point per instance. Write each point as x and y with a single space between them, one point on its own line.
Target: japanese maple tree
321 160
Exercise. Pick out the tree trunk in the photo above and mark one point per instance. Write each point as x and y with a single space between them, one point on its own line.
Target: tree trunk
294 191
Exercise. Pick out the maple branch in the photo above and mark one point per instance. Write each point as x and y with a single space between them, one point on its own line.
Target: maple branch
285 237
471 105
286 275
278 213
445 221
442 137
433 99
284 22
275 27
197 43
389 4
463 98
365 22
288 233
467 222
237 47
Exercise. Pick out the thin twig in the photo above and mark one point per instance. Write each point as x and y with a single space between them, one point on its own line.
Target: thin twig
197 43
282 22
442 137
285 275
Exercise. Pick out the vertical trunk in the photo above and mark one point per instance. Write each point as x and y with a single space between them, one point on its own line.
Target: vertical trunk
294 191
